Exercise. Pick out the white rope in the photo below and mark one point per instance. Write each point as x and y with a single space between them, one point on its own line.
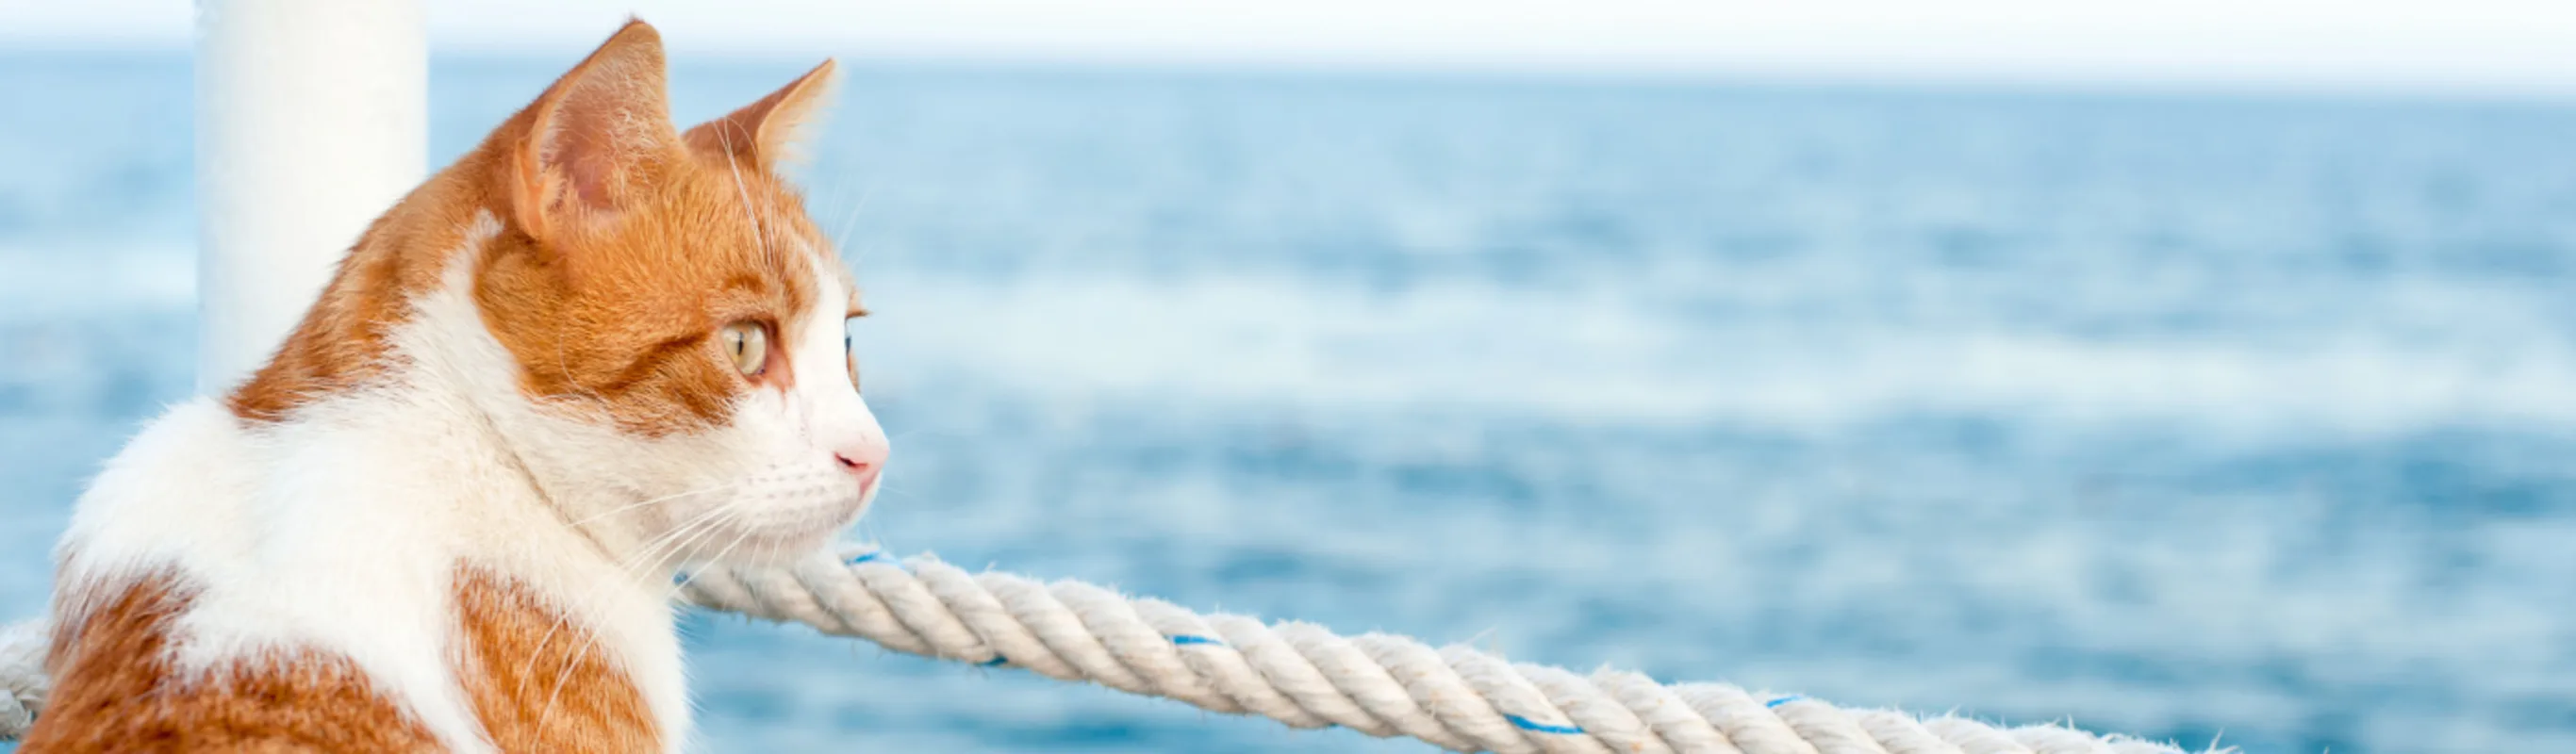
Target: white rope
1455 697
22 677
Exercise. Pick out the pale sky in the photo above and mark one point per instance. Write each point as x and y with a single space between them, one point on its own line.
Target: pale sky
2484 47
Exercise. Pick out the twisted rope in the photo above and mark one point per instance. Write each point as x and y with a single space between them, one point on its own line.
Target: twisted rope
1454 697
22 677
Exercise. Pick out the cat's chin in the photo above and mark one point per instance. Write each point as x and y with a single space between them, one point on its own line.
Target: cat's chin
784 542
784 548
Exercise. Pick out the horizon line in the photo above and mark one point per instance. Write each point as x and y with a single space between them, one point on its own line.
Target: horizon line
2216 79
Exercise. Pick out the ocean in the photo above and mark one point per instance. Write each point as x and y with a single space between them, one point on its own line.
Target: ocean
2242 418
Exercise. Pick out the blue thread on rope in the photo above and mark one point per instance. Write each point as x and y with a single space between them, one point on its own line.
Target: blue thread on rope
868 556
1187 639
1775 703
996 662
680 579
1528 724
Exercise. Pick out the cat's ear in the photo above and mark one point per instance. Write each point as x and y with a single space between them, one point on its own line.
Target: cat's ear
595 138
766 132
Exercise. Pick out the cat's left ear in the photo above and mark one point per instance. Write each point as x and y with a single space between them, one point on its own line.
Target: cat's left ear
766 132
590 145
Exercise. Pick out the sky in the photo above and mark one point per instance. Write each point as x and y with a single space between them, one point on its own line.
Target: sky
2479 47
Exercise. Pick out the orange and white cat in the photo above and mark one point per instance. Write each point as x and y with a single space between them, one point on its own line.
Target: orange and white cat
446 516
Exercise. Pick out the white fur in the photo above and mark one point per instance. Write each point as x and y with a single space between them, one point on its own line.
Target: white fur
340 529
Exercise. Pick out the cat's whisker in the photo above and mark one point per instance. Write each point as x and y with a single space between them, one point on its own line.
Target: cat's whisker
678 539
627 565
662 499
850 219
565 677
748 213
669 543
565 365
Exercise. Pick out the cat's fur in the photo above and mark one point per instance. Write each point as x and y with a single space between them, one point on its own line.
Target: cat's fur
447 514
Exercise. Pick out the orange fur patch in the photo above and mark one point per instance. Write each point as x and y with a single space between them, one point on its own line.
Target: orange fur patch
341 342
116 691
539 683
621 318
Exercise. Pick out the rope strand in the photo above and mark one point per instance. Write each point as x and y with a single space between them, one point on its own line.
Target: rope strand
22 677
1456 697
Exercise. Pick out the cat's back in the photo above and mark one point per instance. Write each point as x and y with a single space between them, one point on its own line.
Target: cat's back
166 521
235 585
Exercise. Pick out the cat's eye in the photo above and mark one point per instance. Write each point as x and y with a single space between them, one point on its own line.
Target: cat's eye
747 343
850 352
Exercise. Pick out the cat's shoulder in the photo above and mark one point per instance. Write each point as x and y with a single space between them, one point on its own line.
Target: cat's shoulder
180 484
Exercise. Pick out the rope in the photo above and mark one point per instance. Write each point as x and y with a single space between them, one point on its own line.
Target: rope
22 677
1454 697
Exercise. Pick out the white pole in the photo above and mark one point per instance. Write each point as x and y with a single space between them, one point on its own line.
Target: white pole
312 118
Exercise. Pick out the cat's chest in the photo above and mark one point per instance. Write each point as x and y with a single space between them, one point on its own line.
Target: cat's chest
540 680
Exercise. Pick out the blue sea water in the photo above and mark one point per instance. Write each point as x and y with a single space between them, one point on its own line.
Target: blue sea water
2200 418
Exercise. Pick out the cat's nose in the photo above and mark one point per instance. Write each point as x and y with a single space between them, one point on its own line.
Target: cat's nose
862 463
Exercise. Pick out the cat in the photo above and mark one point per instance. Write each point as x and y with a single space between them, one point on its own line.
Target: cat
448 513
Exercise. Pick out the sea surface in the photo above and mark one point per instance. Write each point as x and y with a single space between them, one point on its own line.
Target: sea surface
2246 419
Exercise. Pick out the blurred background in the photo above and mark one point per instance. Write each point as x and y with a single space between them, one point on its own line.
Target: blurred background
2202 370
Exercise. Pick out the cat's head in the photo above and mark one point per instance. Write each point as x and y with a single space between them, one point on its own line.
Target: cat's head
678 324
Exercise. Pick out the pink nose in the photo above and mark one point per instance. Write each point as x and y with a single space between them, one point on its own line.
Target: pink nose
863 464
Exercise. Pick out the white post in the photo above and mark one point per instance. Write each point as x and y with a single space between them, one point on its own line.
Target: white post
312 118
